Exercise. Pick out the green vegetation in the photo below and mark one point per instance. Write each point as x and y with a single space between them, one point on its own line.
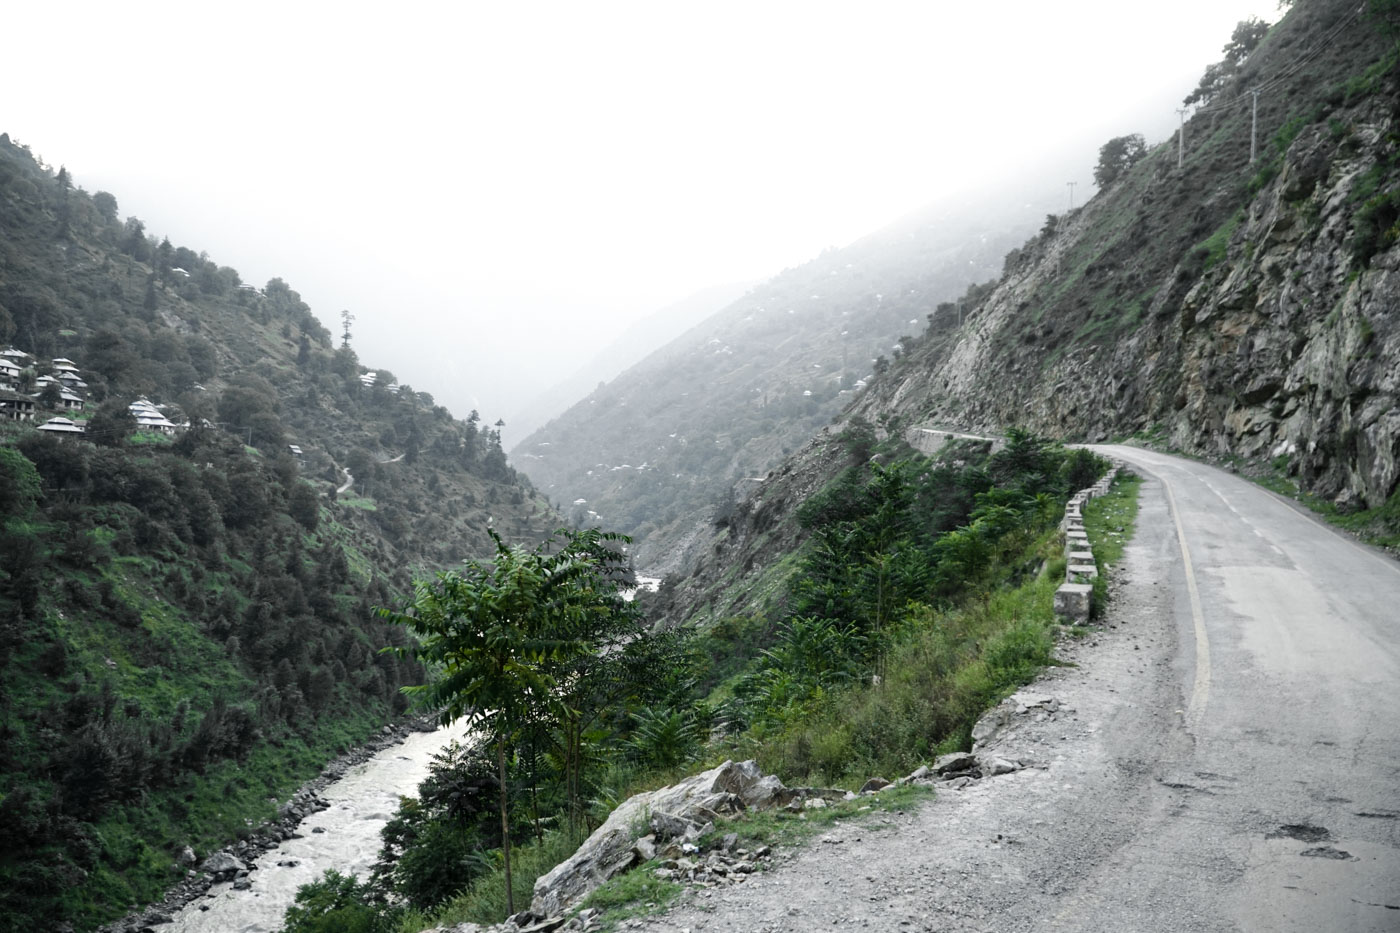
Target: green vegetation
537 649
186 624
1211 251
1109 522
783 828
922 595
1378 526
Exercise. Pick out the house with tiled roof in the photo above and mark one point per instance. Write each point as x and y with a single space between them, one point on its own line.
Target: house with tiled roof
15 407
61 426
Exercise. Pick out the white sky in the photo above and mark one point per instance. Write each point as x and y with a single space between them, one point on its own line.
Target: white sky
494 188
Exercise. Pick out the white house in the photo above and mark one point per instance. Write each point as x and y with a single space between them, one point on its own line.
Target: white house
149 418
61 426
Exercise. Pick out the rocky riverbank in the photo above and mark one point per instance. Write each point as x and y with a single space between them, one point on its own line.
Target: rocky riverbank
234 862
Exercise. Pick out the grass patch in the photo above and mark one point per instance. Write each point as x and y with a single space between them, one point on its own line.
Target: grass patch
638 893
1379 526
782 828
1109 521
942 671
363 503
484 900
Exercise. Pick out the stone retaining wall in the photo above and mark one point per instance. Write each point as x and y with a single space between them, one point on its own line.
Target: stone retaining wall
1075 595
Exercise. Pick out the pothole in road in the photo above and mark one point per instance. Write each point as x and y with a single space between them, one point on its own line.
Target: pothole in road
1326 852
1303 832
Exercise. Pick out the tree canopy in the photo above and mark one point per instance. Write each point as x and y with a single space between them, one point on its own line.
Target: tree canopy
1117 156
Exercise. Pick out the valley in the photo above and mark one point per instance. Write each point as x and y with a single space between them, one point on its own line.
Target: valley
810 538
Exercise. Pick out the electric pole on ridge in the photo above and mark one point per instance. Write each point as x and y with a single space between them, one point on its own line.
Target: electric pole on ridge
1181 138
1071 185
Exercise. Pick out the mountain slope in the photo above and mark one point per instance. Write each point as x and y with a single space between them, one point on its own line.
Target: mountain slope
1225 308
1228 307
186 620
658 450
630 347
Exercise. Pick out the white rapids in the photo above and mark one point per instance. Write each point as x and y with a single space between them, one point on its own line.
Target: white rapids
360 804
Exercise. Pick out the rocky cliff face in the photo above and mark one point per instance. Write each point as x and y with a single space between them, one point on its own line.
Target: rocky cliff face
1223 307
1235 308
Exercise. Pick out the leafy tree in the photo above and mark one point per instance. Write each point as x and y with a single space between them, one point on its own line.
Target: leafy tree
134 244
305 506
339 904
19 484
106 205
1117 156
500 632
1245 39
52 396
111 424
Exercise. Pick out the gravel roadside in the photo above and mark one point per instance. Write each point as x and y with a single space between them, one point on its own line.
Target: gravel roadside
1018 851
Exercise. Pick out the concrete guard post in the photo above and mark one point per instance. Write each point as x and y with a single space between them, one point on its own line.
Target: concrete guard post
1075 596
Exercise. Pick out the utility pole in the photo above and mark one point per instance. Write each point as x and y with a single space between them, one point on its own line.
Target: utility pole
1181 138
1254 126
1071 194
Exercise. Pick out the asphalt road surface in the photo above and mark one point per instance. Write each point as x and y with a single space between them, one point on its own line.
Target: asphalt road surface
1225 756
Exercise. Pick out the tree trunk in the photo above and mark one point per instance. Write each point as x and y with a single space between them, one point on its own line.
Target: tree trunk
505 824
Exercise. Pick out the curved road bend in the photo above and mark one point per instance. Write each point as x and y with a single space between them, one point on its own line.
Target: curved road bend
1289 654
1226 756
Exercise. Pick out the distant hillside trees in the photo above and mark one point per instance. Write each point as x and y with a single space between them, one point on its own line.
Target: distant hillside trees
1117 156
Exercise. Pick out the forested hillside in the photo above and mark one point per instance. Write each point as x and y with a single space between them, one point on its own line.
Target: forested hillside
680 436
185 609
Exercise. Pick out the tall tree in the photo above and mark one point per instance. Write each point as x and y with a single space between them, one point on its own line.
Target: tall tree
500 634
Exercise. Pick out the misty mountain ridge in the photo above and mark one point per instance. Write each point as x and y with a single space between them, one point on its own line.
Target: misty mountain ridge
635 342
1230 309
661 449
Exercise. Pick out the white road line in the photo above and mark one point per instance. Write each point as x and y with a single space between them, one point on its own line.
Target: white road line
1200 689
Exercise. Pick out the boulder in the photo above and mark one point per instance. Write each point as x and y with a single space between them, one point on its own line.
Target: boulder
610 850
918 774
956 763
874 784
1000 766
221 863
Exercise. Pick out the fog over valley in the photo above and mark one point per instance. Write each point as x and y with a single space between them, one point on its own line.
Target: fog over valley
497 191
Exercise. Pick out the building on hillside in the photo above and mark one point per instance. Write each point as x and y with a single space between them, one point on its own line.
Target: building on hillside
296 451
61 426
18 357
369 379
15 407
71 401
62 365
72 380
149 418
9 373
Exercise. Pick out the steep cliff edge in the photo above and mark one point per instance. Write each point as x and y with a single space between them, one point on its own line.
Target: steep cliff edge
1236 308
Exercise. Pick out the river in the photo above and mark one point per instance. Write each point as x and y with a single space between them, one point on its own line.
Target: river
348 840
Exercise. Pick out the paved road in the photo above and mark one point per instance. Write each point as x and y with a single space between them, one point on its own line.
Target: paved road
1226 756
1291 639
